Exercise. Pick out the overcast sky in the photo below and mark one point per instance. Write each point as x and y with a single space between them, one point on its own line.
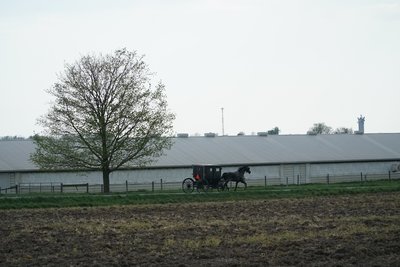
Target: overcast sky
267 63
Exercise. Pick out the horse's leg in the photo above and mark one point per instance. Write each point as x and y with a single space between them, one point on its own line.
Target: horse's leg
236 185
245 185
226 185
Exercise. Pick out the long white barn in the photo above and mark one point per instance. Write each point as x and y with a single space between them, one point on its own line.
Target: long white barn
279 157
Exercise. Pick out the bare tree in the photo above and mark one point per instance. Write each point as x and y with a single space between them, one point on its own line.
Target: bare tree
106 115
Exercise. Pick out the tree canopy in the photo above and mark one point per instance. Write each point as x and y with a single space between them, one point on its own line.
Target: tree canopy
274 131
106 115
320 128
343 130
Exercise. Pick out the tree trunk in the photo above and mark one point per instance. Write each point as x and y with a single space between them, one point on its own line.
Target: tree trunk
106 181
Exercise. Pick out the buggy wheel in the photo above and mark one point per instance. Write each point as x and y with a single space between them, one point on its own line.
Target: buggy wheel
202 187
188 185
220 186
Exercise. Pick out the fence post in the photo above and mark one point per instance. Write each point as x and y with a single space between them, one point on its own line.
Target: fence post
29 188
40 187
126 185
161 184
87 188
265 181
62 189
298 179
361 177
152 186
389 177
16 189
327 178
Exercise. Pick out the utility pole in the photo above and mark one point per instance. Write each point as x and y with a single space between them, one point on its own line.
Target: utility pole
223 128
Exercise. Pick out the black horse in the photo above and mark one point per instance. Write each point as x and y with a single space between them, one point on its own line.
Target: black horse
237 176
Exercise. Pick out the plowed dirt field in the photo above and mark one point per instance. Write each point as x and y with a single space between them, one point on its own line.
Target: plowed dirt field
361 230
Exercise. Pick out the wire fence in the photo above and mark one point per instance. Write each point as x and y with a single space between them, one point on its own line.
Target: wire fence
160 185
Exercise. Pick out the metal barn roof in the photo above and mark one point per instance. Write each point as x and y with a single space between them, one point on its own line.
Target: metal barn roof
276 149
252 150
14 155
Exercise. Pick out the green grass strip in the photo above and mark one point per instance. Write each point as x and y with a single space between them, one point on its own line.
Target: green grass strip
160 197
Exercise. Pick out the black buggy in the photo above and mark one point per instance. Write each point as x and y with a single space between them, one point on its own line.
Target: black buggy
205 177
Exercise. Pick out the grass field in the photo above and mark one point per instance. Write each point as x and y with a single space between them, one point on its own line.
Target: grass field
176 196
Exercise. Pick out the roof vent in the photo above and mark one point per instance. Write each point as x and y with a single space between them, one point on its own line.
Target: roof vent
262 133
240 134
209 134
182 135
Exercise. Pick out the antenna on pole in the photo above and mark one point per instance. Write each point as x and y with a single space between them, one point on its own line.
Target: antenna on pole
223 128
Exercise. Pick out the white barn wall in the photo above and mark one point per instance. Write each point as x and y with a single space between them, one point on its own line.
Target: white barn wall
60 177
150 175
261 171
95 177
274 174
337 169
132 176
4 180
178 174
